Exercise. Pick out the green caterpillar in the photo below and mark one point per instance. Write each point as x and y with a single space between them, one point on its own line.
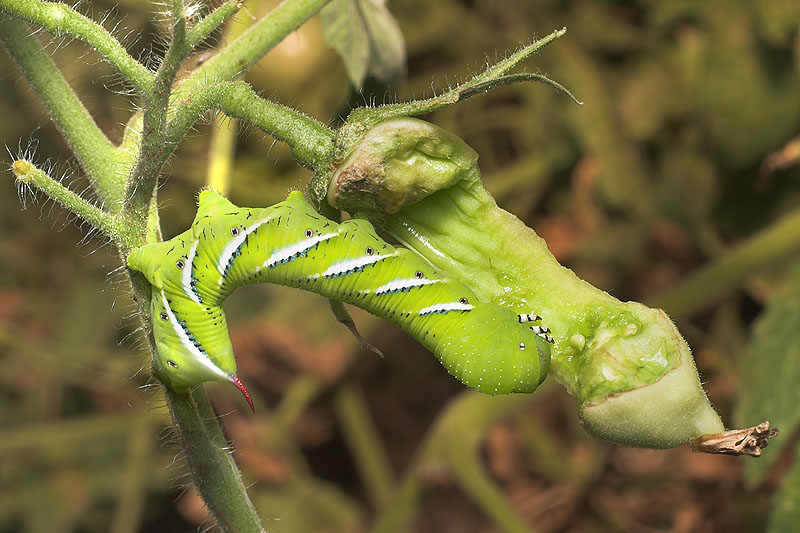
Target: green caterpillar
487 347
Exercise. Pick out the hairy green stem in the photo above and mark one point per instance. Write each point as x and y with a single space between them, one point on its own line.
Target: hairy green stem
211 22
149 144
214 471
28 174
311 142
144 179
98 157
769 248
251 45
60 19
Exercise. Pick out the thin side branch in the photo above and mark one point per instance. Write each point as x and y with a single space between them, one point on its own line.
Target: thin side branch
60 19
311 142
144 178
28 174
363 119
211 22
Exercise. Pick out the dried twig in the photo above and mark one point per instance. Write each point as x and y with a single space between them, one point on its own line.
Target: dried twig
748 441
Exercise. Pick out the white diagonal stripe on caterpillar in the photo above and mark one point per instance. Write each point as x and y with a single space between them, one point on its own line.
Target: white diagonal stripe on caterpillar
186 277
233 245
445 308
401 285
529 317
186 342
350 265
289 252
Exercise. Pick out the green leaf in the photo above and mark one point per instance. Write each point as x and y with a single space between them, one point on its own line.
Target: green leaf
366 36
770 374
786 503
388 49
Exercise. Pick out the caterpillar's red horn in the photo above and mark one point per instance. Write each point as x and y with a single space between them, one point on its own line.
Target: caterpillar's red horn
239 385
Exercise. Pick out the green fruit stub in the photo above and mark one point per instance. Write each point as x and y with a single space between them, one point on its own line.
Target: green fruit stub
629 369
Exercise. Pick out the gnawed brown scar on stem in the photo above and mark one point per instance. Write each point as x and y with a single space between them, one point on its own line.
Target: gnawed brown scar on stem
748 441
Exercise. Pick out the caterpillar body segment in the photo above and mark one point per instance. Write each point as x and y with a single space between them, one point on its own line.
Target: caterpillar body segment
484 345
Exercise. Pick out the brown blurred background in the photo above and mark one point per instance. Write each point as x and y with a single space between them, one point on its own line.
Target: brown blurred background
686 145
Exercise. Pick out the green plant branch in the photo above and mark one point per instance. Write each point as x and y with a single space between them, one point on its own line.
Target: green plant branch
209 418
311 142
211 22
157 144
365 445
28 174
771 247
249 47
60 19
141 187
98 157
214 471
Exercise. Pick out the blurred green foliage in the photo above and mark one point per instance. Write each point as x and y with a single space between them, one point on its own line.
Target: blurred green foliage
687 144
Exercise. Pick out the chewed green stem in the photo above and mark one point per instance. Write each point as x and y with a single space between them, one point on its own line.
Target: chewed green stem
363 120
28 174
61 19
629 368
